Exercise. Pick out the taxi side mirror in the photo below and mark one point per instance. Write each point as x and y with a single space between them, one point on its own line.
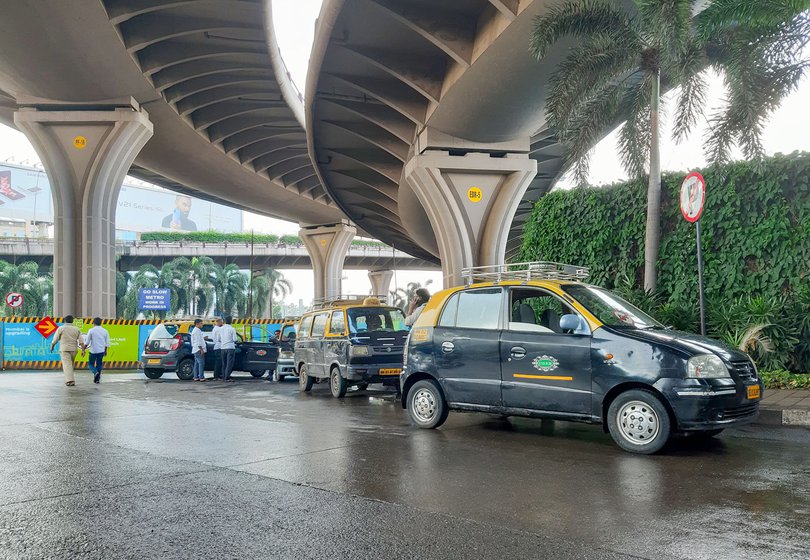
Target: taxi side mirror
569 322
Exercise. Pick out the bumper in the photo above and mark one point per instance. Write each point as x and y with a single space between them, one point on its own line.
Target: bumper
702 405
286 367
162 362
387 373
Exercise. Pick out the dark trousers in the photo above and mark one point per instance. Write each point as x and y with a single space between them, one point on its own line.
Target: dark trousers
217 364
228 357
94 363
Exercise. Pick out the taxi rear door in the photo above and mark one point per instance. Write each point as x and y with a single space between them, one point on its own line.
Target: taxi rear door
543 368
466 347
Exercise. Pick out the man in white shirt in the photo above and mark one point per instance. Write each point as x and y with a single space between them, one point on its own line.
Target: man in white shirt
227 345
198 351
97 341
217 347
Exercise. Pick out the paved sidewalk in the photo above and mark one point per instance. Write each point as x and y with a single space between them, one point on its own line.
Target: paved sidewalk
790 407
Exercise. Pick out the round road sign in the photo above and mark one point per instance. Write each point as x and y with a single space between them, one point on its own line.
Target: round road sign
14 299
693 196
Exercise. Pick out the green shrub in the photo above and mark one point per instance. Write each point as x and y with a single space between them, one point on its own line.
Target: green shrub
212 236
781 379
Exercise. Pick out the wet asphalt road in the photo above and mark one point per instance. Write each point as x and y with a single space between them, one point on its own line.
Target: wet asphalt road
167 469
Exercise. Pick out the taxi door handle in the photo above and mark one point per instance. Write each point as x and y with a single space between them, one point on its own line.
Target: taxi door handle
518 353
448 347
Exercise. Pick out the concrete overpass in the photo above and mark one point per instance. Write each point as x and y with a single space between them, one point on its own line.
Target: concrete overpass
133 254
425 123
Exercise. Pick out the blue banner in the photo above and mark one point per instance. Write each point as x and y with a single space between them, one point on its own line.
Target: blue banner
154 299
22 343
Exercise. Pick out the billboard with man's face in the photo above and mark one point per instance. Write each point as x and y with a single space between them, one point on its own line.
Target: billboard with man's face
25 194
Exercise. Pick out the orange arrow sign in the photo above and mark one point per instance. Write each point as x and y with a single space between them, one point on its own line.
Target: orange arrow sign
46 327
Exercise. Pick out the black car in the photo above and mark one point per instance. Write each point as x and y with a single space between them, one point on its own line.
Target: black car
168 348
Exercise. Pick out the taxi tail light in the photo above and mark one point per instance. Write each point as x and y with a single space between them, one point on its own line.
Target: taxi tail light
176 342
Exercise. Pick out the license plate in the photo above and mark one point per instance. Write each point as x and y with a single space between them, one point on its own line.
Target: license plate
390 371
150 362
753 392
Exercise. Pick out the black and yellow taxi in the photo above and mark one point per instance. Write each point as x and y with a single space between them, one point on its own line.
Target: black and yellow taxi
168 349
533 339
350 341
285 337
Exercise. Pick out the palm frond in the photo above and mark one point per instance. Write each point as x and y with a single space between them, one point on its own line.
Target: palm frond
720 14
580 18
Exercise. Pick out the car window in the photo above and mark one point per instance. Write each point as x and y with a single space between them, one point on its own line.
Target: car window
337 324
163 331
285 333
306 323
376 319
473 309
319 324
611 309
536 310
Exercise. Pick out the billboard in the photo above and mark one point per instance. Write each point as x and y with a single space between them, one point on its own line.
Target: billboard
154 299
25 194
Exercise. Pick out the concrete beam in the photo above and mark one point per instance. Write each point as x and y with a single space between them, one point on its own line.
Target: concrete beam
327 246
380 281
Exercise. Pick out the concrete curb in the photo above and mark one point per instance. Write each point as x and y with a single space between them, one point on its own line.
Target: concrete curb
783 417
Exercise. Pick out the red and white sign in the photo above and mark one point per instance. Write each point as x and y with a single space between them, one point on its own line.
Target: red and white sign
46 327
14 299
693 196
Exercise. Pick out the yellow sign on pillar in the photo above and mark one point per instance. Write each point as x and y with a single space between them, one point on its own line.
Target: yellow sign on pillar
80 142
475 194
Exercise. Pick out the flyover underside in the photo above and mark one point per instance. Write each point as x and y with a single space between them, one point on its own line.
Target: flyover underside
382 71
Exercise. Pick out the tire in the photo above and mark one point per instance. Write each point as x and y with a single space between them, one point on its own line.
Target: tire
153 373
277 377
337 383
362 386
639 422
426 405
185 369
305 382
257 372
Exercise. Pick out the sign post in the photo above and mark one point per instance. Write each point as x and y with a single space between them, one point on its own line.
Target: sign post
14 299
154 299
693 198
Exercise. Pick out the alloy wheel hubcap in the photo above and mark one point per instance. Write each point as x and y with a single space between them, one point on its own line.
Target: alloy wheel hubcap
424 405
638 422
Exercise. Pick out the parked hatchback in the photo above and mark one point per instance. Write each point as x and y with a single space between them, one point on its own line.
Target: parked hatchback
535 341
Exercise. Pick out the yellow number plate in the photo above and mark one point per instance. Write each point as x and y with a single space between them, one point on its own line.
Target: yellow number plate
390 371
753 392
153 361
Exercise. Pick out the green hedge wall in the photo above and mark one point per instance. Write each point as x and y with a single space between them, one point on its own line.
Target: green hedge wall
756 244
755 230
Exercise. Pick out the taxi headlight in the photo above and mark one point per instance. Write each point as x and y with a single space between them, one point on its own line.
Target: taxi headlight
706 366
359 351
286 354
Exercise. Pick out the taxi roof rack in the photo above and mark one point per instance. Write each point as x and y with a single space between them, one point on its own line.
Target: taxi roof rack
344 299
537 270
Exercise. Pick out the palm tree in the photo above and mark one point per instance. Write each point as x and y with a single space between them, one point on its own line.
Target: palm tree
148 277
258 294
24 278
230 288
623 60
400 297
277 287
199 288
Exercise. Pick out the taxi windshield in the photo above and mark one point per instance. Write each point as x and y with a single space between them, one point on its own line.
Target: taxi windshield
611 309
375 319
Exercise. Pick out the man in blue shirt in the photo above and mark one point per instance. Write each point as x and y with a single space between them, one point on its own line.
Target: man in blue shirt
98 341
198 351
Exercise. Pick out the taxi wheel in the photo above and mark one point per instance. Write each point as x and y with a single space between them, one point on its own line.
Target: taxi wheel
337 383
639 422
305 382
257 372
277 377
153 373
426 404
185 369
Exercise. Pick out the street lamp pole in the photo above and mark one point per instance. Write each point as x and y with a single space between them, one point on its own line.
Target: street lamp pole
250 288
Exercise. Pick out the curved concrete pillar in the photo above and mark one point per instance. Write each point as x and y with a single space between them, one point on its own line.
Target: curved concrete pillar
87 150
327 247
470 201
380 281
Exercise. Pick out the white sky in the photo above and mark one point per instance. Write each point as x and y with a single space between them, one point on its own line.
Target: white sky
294 20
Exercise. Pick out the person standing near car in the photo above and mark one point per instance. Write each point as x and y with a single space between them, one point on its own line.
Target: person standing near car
97 341
69 338
198 351
218 322
416 305
227 340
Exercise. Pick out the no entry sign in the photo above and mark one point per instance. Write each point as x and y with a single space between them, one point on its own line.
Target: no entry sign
693 196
